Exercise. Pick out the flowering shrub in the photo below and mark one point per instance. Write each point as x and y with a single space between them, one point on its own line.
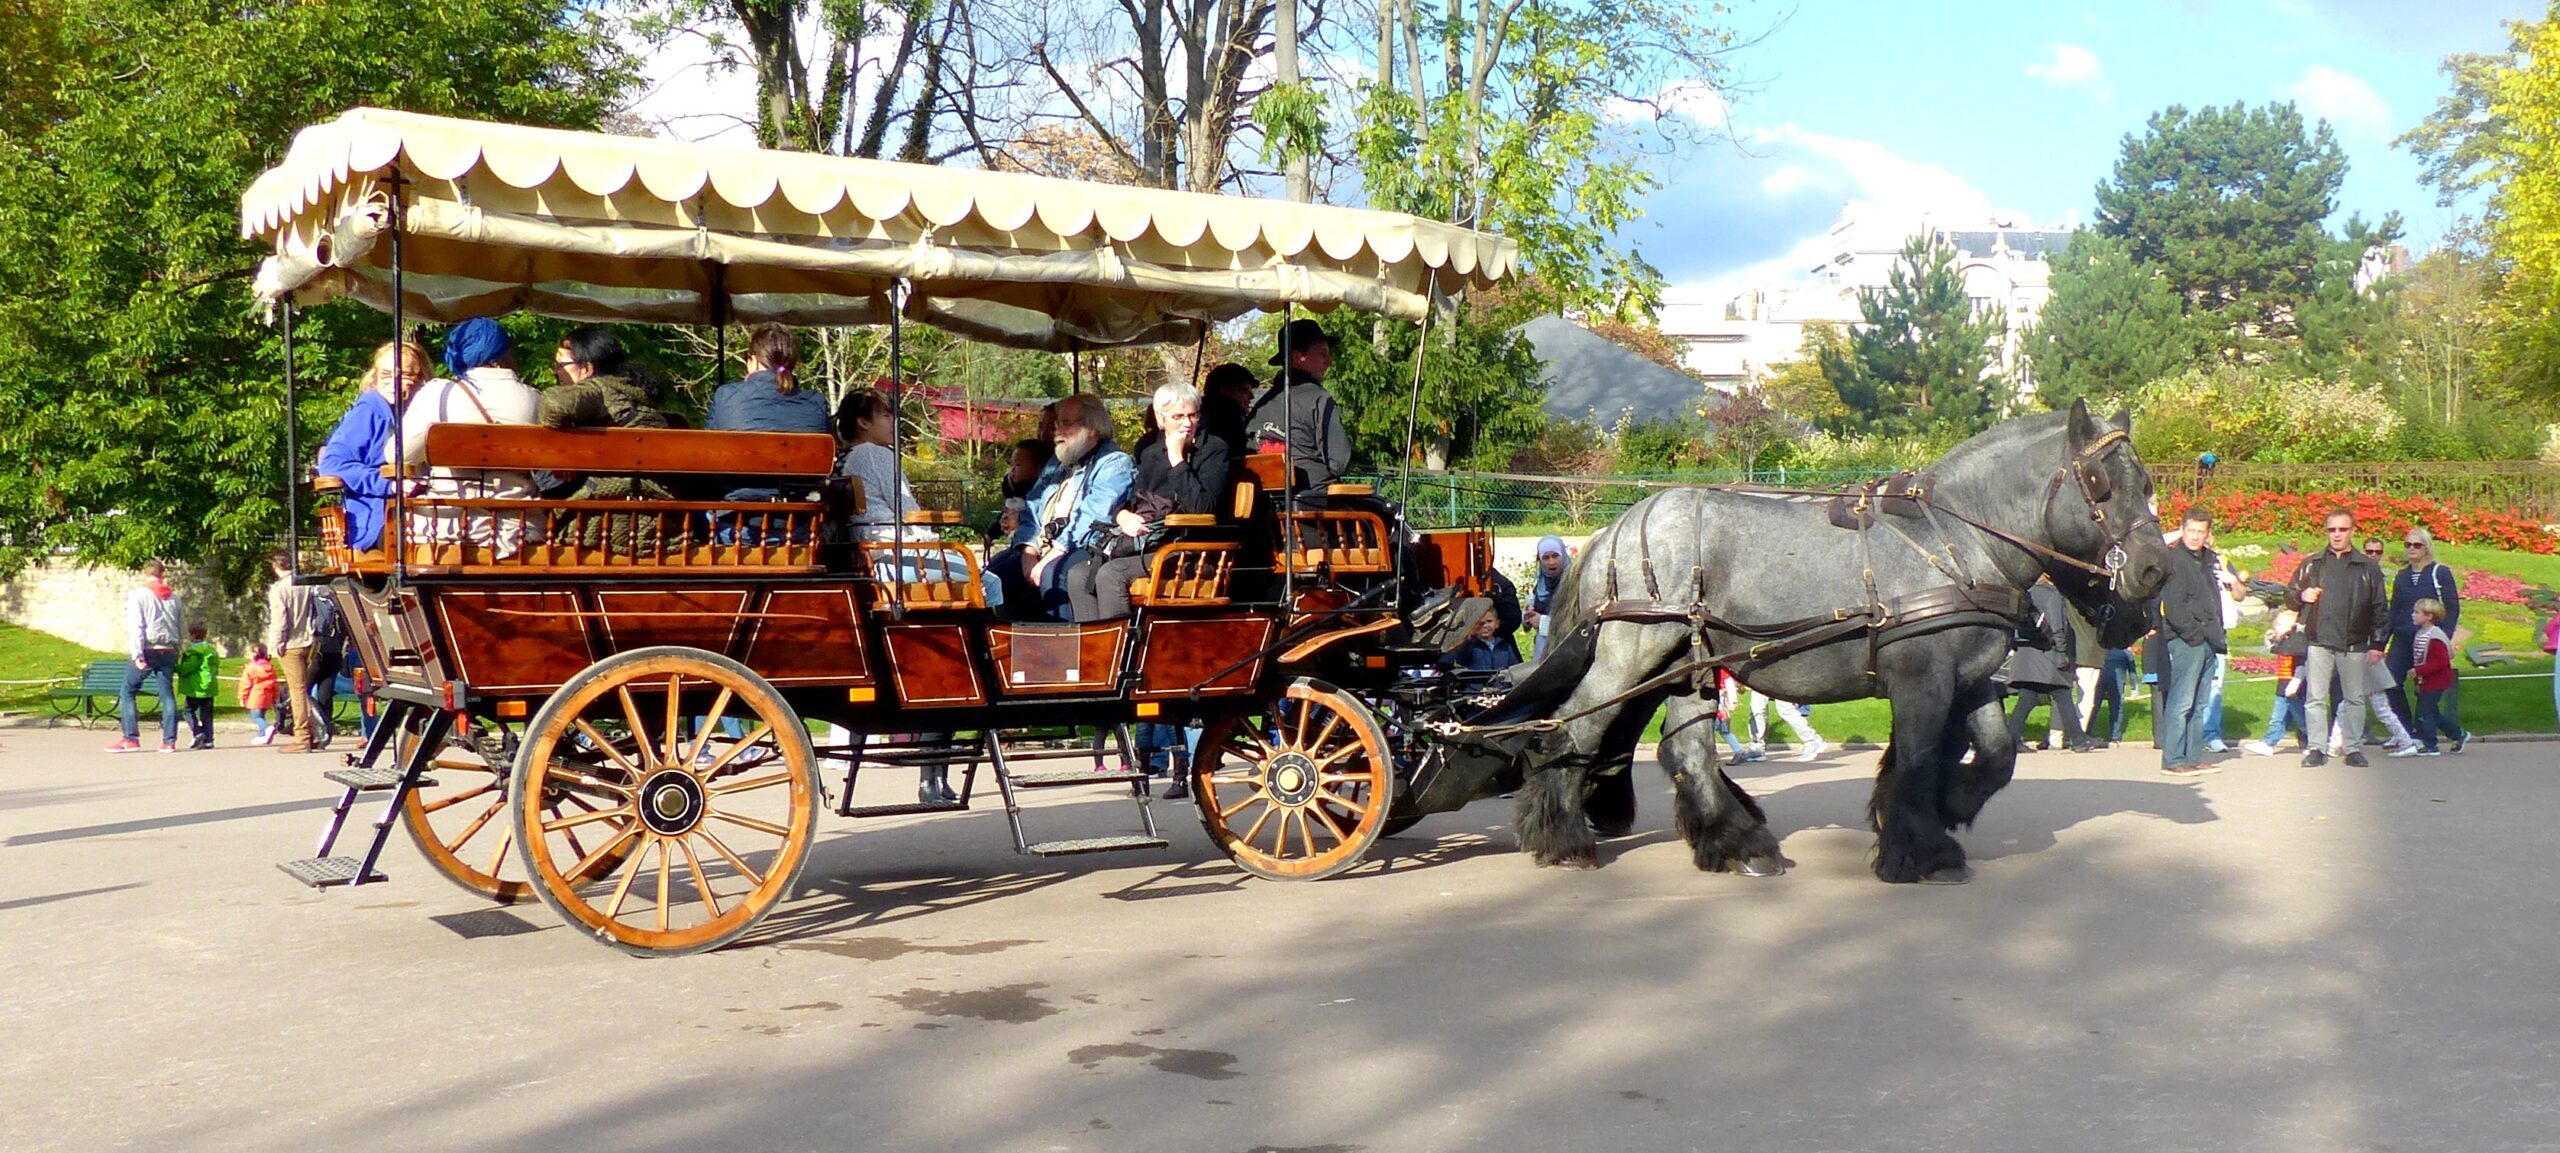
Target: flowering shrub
2376 515
2254 666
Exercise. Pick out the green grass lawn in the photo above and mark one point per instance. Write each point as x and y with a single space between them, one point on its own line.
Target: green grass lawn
28 655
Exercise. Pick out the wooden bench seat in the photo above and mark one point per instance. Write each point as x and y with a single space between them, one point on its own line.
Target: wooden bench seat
934 574
807 457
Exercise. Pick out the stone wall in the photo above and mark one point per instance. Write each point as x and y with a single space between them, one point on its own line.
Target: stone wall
84 604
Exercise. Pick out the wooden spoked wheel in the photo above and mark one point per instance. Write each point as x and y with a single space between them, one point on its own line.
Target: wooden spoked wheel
694 834
1298 788
460 824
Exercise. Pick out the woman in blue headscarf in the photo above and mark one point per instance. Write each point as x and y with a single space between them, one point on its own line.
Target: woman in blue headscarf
479 387
1542 595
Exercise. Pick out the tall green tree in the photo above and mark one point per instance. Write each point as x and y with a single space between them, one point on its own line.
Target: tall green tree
1921 361
2227 204
2498 131
143 390
1480 400
2111 326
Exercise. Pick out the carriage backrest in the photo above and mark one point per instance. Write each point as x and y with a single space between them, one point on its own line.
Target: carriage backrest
656 451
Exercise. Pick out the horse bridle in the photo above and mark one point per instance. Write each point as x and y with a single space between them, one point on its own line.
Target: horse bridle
2086 474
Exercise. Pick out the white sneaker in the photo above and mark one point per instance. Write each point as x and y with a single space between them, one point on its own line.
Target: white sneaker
1811 749
2395 744
2216 747
2258 748
2408 750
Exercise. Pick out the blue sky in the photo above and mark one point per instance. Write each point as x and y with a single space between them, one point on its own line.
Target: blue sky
2022 107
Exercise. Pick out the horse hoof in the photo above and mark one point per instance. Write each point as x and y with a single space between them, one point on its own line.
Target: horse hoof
1951 875
1770 866
1576 861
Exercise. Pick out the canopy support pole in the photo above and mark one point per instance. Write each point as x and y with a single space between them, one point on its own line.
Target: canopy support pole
1412 428
897 445
720 324
292 452
399 394
1289 539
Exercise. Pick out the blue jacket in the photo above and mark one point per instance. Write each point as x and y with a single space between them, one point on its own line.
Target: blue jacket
758 404
1109 473
354 456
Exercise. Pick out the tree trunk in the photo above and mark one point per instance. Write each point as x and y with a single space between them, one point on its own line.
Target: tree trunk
1293 163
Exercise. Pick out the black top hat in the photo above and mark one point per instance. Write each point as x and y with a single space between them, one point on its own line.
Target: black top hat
1299 334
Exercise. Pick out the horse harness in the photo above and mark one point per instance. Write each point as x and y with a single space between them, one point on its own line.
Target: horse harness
1879 504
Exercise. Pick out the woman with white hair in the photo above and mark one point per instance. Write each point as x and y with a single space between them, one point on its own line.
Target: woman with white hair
2421 577
1181 472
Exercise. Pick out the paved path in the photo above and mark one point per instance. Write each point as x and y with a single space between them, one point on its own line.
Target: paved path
2270 959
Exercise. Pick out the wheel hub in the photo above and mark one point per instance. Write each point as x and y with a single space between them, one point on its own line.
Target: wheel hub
1292 779
671 802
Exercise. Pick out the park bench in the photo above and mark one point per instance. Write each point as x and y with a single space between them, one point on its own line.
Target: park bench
102 679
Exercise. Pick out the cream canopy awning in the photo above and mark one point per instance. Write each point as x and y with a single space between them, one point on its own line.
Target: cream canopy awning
502 217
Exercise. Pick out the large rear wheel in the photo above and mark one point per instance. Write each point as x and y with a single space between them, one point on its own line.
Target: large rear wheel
1297 788
697 827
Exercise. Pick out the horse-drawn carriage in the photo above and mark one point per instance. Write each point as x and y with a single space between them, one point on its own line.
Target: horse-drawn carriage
607 703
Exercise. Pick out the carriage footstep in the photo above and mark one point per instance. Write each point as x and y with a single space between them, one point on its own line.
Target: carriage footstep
1951 875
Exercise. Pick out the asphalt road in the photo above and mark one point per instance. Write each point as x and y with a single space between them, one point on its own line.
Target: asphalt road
2273 958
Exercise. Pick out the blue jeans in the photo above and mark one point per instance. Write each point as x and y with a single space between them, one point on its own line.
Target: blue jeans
2213 699
2111 681
2180 721
160 666
2287 714
2438 712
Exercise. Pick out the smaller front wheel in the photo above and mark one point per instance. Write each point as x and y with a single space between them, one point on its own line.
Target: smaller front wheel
1298 788
694 797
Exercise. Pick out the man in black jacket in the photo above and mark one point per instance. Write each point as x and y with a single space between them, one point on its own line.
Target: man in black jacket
2340 595
1297 411
2191 625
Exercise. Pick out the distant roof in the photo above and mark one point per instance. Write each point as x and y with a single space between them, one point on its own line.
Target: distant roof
1590 377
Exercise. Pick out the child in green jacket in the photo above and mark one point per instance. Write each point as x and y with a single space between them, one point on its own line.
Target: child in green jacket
198 667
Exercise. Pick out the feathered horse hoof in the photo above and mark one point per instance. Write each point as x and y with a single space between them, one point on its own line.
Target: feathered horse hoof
1951 875
1573 861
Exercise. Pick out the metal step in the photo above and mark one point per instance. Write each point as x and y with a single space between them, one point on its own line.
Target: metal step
1070 848
1066 779
325 872
371 780
902 810
924 756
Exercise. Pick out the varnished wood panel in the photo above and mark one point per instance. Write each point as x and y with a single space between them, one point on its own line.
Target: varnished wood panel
702 617
1178 656
631 450
1035 660
809 636
931 665
513 640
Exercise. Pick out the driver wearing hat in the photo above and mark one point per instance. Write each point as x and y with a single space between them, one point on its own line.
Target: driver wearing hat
1298 413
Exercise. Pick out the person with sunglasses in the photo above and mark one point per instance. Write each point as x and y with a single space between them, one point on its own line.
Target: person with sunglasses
2421 577
2340 596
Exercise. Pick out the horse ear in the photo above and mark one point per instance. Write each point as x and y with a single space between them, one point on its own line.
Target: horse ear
2084 428
2124 420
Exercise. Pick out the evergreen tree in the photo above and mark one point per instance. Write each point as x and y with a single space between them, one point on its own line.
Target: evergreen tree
2227 204
2111 326
1922 359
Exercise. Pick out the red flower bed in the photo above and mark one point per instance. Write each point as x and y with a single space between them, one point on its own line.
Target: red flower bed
2376 515
2489 586
2254 666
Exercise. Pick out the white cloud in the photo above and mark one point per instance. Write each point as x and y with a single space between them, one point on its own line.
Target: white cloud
1882 190
2344 100
2071 66
1698 102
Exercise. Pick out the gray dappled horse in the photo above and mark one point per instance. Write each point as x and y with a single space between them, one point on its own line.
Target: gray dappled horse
1908 594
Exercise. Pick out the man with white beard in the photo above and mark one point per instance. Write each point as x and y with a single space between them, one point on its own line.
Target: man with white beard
1065 514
